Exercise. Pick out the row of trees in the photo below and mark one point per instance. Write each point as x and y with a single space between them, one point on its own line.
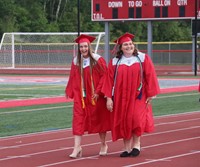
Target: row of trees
61 16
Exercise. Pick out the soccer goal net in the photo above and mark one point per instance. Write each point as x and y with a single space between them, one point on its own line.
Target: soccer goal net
42 50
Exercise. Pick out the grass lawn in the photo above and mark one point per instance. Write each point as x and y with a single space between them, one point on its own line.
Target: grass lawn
29 119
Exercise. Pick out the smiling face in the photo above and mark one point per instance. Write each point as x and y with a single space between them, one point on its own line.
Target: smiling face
84 49
128 48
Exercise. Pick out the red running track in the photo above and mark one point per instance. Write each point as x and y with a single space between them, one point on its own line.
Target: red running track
175 143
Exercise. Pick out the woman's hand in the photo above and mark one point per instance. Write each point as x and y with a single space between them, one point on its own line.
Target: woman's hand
149 99
95 97
109 104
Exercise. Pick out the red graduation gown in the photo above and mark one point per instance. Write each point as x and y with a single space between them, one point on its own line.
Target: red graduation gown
199 86
130 114
92 118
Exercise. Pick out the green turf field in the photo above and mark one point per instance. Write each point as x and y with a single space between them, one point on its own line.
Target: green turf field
29 119
11 91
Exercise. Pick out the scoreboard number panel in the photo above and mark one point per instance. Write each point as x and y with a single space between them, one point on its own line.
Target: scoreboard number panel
115 10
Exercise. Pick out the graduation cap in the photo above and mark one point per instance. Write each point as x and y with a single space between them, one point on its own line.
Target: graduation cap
84 38
124 38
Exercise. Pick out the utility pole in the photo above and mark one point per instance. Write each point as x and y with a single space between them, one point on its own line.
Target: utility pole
78 17
195 40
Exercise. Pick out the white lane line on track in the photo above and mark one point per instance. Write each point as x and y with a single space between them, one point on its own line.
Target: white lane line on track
171 131
178 114
66 138
163 159
68 161
160 144
175 122
155 159
49 151
21 156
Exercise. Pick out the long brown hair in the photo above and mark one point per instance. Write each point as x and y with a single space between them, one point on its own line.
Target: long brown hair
93 62
120 52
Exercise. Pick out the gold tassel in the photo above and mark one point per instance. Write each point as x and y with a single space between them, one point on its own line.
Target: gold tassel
92 84
83 103
93 102
82 91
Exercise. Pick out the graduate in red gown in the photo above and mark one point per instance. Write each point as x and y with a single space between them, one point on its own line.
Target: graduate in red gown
130 86
199 86
199 90
88 71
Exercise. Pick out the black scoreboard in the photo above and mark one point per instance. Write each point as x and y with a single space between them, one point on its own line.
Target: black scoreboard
115 10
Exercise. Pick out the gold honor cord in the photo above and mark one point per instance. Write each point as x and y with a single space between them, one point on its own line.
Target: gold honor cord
83 91
92 85
82 99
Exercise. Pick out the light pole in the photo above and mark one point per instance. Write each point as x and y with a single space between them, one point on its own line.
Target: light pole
195 40
78 17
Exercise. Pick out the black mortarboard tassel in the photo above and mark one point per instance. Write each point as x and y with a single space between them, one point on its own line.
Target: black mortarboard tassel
140 89
140 95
